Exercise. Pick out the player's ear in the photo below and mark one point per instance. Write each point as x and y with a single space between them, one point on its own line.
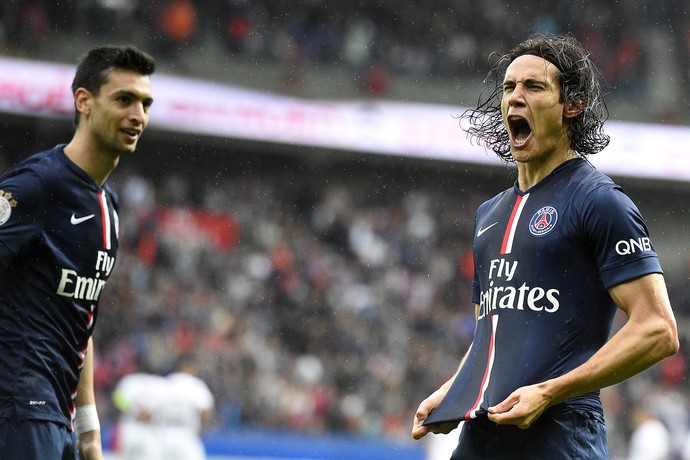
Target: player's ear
82 101
573 108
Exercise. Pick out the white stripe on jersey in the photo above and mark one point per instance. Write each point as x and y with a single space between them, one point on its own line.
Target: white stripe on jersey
489 366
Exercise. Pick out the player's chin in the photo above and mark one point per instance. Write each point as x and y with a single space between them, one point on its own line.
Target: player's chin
127 144
521 155
127 148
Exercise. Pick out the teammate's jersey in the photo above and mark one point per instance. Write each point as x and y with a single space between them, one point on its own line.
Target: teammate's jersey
544 259
58 240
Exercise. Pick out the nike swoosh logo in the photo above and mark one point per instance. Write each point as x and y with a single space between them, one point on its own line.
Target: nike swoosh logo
482 230
78 220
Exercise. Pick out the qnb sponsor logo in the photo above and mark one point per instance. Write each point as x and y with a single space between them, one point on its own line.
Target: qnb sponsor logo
525 297
633 245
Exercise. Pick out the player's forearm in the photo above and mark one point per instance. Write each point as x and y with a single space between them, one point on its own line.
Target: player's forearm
86 423
85 390
649 335
635 348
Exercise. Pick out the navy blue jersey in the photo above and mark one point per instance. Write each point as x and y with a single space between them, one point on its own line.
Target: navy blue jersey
544 260
58 240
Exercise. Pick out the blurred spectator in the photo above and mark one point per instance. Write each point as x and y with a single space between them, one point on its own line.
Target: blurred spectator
377 81
139 396
238 26
624 69
105 19
177 23
650 439
33 23
162 417
358 42
685 452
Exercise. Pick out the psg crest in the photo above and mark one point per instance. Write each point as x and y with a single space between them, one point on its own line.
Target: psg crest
543 221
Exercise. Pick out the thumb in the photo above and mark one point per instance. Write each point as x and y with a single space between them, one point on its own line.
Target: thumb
504 406
419 430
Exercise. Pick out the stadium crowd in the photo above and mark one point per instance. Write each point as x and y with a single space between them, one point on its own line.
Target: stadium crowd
641 46
330 304
310 307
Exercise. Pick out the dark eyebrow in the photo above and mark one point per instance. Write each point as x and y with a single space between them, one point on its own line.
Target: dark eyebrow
527 81
533 81
132 95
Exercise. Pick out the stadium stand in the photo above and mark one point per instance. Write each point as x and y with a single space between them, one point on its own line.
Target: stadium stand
359 49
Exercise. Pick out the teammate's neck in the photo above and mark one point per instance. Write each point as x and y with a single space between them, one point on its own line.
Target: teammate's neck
91 160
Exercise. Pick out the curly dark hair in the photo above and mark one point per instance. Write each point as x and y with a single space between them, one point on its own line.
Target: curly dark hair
580 82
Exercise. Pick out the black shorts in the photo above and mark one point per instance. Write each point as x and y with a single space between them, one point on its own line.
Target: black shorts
36 440
559 434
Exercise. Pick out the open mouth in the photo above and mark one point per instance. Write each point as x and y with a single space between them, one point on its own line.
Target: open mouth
132 133
520 130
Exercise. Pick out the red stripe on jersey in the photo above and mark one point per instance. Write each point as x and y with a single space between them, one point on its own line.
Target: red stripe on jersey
105 219
472 413
507 245
89 319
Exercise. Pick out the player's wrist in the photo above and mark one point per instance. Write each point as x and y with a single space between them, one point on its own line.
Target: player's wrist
86 419
555 390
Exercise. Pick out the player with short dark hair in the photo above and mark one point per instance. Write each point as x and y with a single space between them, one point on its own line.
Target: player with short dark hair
58 243
555 256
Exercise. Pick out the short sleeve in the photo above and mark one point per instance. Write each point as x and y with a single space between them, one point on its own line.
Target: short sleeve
619 237
22 207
